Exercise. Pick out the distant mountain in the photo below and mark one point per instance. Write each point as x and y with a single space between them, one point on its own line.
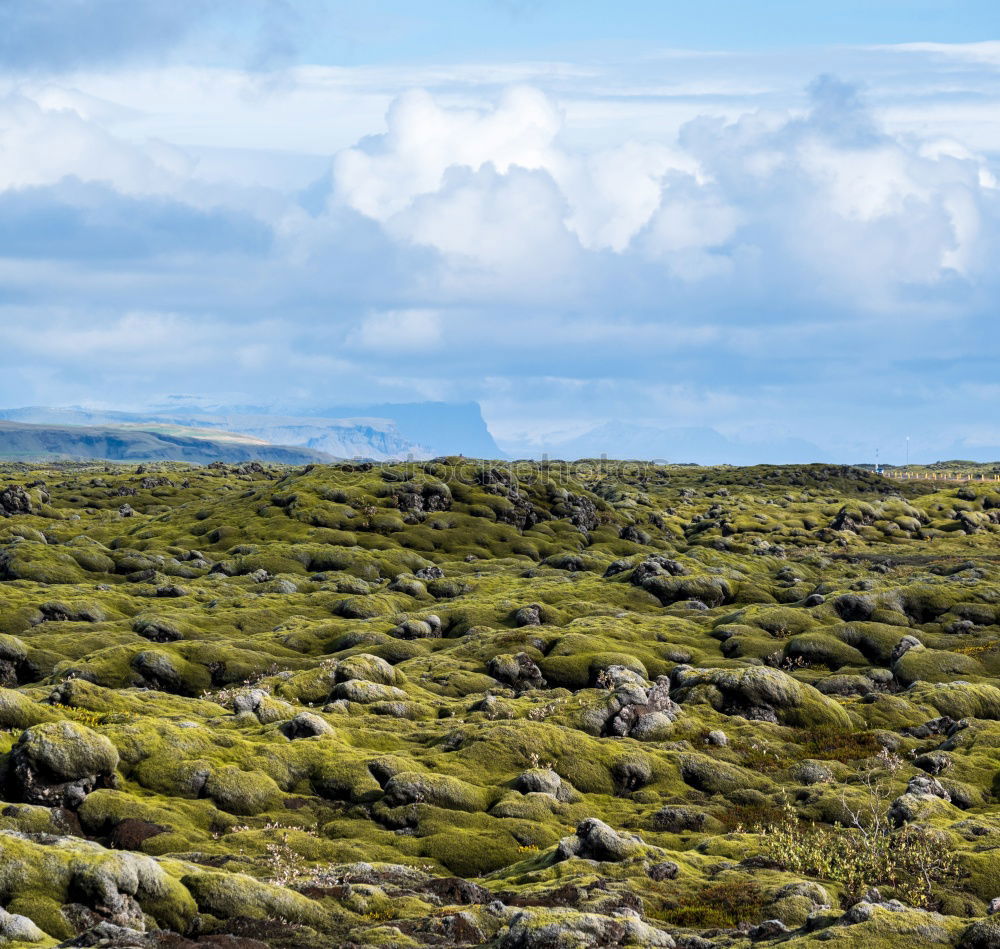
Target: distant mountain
370 438
21 442
445 428
703 446
425 429
380 432
376 439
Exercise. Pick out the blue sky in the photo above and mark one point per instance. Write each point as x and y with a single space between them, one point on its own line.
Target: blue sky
781 224
503 29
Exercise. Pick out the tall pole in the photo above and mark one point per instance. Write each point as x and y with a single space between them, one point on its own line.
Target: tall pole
907 451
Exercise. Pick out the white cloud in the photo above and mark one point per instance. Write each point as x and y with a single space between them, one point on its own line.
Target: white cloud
501 235
404 330
824 199
41 145
609 195
614 192
987 51
688 227
424 140
141 337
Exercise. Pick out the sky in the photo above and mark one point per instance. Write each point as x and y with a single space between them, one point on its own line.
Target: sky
780 221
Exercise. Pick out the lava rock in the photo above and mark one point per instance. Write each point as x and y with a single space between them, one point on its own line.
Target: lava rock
14 500
520 672
595 840
306 725
60 763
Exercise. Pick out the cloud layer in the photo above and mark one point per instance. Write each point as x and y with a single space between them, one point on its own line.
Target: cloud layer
808 268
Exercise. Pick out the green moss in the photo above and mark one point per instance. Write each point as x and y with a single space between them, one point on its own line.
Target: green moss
230 895
19 711
936 665
66 750
410 787
242 792
823 649
45 912
197 694
960 699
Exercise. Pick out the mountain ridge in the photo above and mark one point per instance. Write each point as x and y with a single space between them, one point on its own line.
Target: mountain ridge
26 442
377 431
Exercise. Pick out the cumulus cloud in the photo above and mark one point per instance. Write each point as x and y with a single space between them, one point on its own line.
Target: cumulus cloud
826 196
41 146
609 194
383 175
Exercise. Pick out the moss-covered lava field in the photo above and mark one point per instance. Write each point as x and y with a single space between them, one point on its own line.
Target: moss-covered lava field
524 707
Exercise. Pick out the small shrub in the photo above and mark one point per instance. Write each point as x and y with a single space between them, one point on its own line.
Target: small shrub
832 744
723 905
910 862
82 715
759 756
752 816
